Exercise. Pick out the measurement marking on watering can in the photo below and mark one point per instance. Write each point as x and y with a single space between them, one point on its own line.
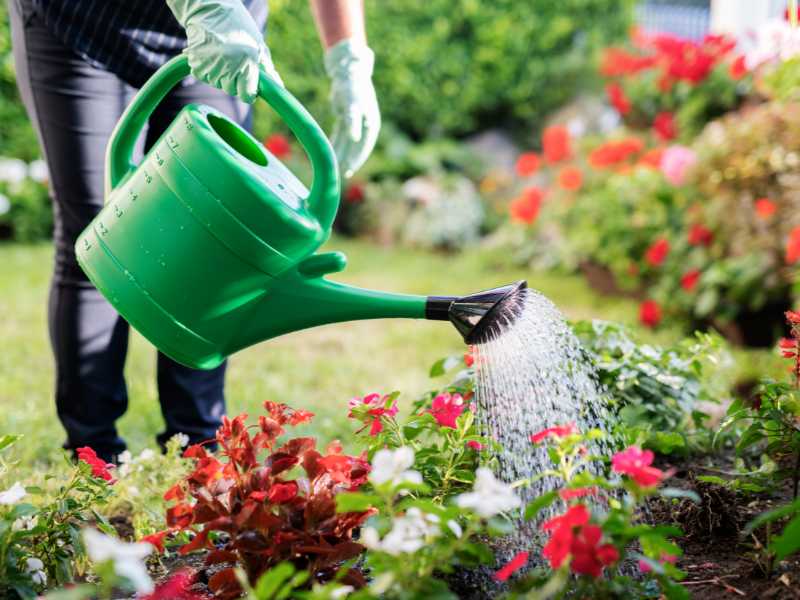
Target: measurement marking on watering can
118 211
173 142
188 123
147 177
103 228
134 196
87 245
159 160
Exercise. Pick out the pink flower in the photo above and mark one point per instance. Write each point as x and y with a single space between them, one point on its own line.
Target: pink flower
446 408
676 162
515 564
568 494
177 587
635 463
371 408
558 431
646 568
477 446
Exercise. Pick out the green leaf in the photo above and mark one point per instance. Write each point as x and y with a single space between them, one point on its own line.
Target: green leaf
355 502
7 440
789 540
540 503
437 368
272 581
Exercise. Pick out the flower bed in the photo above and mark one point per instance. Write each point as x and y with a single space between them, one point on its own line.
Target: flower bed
703 231
418 508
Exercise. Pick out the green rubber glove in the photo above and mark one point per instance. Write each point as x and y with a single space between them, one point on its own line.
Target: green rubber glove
225 47
358 118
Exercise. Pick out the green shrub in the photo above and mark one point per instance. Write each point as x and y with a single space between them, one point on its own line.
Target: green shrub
446 67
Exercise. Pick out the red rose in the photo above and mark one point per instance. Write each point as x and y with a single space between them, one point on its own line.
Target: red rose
650 313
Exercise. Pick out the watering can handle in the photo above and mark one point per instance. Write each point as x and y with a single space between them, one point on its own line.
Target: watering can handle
323 199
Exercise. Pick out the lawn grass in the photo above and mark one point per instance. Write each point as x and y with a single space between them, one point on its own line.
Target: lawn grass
318 369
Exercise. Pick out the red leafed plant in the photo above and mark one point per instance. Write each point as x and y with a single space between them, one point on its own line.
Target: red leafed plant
264 515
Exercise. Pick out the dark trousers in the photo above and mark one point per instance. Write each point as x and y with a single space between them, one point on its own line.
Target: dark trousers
74 107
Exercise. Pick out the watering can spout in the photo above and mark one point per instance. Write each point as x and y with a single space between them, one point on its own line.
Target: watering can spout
480 316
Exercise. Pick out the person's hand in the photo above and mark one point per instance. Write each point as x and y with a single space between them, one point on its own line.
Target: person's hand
358 118
225 47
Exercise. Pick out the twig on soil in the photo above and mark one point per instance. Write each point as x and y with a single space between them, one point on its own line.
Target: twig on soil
717 581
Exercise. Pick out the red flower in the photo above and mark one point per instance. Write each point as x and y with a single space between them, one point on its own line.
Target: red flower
373 406
557 548
469 356
282 492
652 158
616 62
525 207
556 143
700 235
618 99
278 145
558 431
664 126
570 178
792 316
179 516
527 164
176 587
635 463
354 194
446 408
588 555
645 568
568 494
657 252
156 539
788 347
615 152
477 446
793 246
100 468
765 208
650 313
690 279
512 566
738 68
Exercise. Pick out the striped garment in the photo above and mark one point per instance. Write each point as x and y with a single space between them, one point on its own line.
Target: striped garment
130 38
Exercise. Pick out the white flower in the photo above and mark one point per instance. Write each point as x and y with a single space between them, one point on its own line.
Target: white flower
13 494
35 569
489 497
409 533
455 528
183 439
13 170
392 465
37 171
145 455
5 204
128 559
342 592
125 457
24 523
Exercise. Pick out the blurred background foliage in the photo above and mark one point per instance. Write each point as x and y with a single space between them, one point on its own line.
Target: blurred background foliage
453 67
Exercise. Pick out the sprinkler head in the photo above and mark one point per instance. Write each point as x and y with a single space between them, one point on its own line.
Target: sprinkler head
479 316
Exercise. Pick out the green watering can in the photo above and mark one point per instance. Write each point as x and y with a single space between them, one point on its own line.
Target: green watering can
208 246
